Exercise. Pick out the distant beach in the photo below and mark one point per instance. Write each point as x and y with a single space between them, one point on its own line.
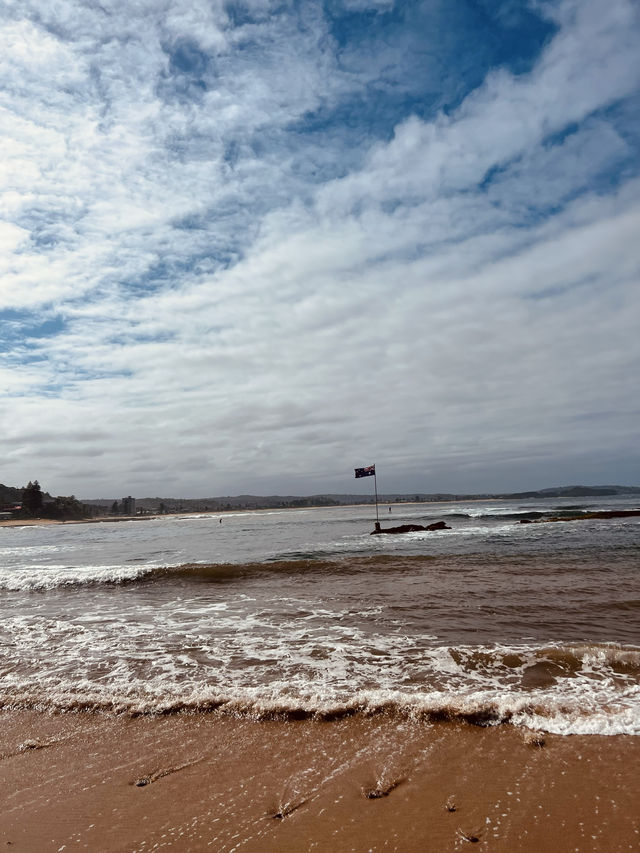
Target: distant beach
106 519
38 522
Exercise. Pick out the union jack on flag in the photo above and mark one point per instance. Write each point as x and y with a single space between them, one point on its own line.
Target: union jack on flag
366 472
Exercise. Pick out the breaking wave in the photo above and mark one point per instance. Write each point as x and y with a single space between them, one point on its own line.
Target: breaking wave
583 689
37 577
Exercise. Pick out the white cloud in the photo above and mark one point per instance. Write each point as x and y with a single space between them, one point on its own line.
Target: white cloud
461 303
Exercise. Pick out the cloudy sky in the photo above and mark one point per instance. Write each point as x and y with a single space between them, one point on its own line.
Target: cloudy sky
247 246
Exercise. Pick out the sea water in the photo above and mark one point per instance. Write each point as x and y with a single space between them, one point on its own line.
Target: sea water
290 613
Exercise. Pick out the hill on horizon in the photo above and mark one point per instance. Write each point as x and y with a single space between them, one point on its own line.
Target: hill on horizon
248 501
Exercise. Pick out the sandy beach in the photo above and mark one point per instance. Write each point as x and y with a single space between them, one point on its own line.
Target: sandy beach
205 782
40 522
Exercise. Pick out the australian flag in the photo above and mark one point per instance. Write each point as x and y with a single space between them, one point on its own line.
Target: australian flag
366 472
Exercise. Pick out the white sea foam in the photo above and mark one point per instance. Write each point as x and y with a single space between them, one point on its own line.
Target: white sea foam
37 576
178 656
485 708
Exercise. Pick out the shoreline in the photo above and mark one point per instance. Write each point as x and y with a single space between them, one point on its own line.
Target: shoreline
107 519
208 782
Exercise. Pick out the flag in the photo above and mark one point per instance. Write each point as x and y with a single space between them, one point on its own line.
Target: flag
366 472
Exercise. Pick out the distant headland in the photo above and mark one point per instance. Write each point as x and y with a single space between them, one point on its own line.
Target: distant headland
159 506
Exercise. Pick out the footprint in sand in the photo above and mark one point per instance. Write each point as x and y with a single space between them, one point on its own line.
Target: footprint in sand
149 778
285 810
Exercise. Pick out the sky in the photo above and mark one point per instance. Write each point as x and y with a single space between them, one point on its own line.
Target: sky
248 246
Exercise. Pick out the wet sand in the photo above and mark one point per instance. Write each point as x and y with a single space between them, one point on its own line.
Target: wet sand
207 782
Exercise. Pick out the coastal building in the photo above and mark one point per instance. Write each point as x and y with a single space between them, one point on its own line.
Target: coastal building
128 506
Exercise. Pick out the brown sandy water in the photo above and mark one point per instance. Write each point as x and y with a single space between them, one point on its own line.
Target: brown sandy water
206 782
546 640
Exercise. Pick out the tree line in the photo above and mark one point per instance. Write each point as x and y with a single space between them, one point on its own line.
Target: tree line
34 505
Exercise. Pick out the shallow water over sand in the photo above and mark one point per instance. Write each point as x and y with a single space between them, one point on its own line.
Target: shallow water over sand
303 613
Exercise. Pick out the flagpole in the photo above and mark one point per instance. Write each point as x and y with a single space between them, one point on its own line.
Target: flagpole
367 472
375 485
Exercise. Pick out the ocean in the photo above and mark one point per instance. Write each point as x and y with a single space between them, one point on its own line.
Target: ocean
292 614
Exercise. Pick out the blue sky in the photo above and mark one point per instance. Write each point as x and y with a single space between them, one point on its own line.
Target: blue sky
247 247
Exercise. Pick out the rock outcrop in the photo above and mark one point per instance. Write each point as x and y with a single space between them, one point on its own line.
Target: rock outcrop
410 528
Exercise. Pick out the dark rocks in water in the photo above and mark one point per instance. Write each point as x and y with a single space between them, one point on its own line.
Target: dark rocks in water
585 516
608 513
410 528
401 528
